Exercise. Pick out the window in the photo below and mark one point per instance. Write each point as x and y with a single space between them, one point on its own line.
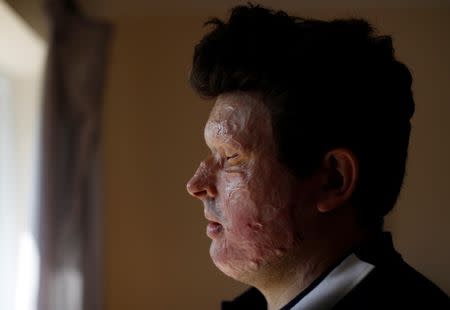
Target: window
21 57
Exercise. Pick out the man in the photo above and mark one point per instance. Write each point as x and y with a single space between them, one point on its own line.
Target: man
308 137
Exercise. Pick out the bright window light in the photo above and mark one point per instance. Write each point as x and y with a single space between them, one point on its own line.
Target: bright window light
22 55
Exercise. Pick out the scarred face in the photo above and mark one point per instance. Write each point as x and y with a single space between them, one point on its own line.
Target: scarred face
248 196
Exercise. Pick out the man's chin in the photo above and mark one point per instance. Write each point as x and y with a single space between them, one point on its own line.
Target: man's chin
235 266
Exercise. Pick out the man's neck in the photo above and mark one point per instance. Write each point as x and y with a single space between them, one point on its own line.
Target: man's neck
299 269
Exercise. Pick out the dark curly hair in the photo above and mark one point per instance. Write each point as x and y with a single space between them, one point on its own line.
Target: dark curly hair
328 84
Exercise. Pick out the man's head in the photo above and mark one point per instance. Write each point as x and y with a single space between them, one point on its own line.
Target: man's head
244 188
311 121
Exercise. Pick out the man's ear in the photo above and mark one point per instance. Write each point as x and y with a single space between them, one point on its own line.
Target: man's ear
340 175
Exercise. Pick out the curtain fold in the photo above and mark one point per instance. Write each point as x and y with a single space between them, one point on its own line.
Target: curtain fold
68 220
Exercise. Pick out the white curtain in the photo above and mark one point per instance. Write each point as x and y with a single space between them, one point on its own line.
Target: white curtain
69 223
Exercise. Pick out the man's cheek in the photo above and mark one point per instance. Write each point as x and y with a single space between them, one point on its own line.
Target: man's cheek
242 210
243 224
246 214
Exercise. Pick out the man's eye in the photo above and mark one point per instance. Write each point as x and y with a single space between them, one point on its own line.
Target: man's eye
232 156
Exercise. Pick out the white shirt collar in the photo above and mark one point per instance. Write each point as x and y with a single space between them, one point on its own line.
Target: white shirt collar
338 283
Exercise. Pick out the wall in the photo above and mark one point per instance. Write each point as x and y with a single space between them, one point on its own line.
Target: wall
155 248
156 251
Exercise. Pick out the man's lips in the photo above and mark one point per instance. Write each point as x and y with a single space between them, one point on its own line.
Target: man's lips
213 229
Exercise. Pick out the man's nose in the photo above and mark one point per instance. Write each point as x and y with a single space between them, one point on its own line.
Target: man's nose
201 185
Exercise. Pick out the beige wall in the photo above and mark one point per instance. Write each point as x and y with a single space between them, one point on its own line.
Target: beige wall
155 250
156 253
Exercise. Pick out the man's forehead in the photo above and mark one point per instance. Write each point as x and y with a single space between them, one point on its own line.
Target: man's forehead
229 117
237 116
232 106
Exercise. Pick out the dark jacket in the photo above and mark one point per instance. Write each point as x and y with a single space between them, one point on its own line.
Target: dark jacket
392 284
